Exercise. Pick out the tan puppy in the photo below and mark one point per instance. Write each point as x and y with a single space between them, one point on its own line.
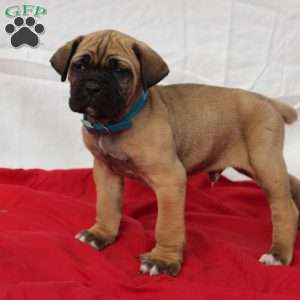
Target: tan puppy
181 128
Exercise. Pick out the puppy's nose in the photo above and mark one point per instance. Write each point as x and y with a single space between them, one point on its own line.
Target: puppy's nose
92 87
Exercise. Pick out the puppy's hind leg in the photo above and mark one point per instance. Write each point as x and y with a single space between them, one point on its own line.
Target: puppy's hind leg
275 182
295 189
266 159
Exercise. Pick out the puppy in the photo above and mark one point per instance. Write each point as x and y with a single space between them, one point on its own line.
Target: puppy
158 134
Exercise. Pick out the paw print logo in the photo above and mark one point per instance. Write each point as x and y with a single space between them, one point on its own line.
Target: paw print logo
24 34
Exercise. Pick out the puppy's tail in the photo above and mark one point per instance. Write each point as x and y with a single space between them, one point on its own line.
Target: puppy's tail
288 113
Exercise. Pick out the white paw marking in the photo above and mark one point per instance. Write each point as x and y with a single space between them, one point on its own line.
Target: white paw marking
77 236
270 260
154 271
81 238
93 244
144 268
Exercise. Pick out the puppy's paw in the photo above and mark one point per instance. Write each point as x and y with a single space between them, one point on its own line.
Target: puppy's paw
93 240
270 260
153 266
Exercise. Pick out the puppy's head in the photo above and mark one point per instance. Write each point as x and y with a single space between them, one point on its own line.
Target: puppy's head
107 71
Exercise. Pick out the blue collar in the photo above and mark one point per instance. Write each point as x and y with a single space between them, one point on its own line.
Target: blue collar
121 125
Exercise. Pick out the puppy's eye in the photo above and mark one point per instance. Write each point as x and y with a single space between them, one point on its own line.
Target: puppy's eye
118 69
82 64
79 66
121 71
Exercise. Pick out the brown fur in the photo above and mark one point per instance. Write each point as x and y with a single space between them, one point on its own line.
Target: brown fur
185 128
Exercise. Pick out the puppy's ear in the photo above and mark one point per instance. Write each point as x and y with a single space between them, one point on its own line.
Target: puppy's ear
152 67
61 59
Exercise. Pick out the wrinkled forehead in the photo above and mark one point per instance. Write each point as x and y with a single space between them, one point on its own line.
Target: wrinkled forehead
103 45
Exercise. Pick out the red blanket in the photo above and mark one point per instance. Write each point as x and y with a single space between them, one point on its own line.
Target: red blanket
228 228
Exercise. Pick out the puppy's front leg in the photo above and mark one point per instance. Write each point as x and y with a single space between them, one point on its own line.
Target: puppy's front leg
169 185
109 187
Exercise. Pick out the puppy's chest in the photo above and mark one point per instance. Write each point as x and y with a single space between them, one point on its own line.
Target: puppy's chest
114 156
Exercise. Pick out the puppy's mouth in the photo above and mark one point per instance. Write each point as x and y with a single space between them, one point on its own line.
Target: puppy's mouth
91 114
94 115
98 97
